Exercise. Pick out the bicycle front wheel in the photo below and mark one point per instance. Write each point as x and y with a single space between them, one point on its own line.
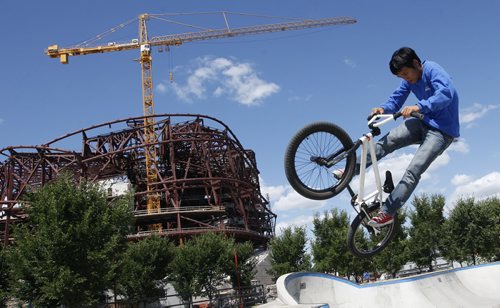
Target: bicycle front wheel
365 241
308 160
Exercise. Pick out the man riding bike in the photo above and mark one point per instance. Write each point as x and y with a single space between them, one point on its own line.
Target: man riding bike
438 102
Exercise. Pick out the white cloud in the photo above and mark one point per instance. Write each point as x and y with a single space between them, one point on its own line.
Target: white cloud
285 198
292 208
461 179
1 121
218 92
459 145
397 164
484 187
350 62
227 77
296 98
441 161
161 88
274 193
247 87
296 221
469 115
291 200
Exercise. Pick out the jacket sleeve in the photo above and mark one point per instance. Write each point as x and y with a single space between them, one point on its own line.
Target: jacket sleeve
397 99
442 94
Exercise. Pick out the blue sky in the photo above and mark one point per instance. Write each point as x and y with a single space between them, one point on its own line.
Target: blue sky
263 87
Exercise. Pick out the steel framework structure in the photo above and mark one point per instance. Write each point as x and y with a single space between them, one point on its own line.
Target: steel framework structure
206 180
146 42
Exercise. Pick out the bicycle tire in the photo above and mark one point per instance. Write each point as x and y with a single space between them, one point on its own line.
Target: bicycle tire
363 247
310 179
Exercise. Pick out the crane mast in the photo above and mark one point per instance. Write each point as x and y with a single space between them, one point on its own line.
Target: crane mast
145 43
153 198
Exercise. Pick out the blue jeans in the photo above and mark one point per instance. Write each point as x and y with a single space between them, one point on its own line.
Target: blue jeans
412 131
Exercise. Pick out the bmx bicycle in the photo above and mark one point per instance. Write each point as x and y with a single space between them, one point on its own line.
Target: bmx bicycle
312 160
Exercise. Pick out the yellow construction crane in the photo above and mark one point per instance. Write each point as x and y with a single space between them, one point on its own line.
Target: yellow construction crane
145 43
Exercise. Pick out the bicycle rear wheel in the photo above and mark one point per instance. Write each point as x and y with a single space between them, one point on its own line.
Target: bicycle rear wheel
365 241
306 157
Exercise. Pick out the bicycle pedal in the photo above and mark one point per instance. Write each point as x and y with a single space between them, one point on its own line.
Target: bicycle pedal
373 206
388 186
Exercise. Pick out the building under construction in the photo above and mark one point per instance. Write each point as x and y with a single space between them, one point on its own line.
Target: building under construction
206 180
189 173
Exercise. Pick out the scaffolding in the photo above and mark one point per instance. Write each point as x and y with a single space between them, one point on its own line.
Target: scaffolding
205 180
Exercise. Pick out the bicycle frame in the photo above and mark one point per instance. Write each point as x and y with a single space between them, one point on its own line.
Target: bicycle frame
368 146
320 162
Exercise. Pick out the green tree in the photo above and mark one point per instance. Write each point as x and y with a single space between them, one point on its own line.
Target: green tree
288 252
4 281
456 240
473 231
214 252
426 230
358 266
243 274
143 269
330 251
490 211
183 271
200 266
394 256
329 248
63 255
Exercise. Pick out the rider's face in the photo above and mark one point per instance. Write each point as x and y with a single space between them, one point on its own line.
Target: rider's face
411 74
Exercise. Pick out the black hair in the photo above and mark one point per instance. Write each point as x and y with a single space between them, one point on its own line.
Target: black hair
402 57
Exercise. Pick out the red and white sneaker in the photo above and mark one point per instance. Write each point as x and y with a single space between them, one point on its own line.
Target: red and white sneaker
382 219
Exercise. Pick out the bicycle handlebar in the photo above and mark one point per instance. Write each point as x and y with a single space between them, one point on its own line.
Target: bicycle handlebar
398 114
414 114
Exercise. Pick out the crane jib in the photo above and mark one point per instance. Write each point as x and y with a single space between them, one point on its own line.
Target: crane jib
144 43
177 39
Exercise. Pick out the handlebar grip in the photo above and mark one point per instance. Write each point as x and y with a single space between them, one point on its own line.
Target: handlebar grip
414 114
417 115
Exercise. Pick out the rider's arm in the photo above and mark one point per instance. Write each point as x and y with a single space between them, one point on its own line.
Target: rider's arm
442 94
397 99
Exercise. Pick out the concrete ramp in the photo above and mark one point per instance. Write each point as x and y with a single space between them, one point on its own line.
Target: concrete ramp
476 286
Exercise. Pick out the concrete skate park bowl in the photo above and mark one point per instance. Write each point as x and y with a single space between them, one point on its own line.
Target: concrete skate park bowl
475 286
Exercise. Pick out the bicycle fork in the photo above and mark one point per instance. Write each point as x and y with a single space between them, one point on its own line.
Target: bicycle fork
359 201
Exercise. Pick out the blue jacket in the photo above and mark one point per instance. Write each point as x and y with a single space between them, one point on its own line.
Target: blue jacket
437 99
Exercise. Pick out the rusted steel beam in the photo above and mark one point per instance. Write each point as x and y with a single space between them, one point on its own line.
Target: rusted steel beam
200 163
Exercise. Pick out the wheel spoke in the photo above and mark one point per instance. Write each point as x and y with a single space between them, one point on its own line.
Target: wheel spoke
306 157
366 241
318 144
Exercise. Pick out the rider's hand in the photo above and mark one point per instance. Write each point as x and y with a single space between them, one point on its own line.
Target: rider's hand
406 112
377 110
